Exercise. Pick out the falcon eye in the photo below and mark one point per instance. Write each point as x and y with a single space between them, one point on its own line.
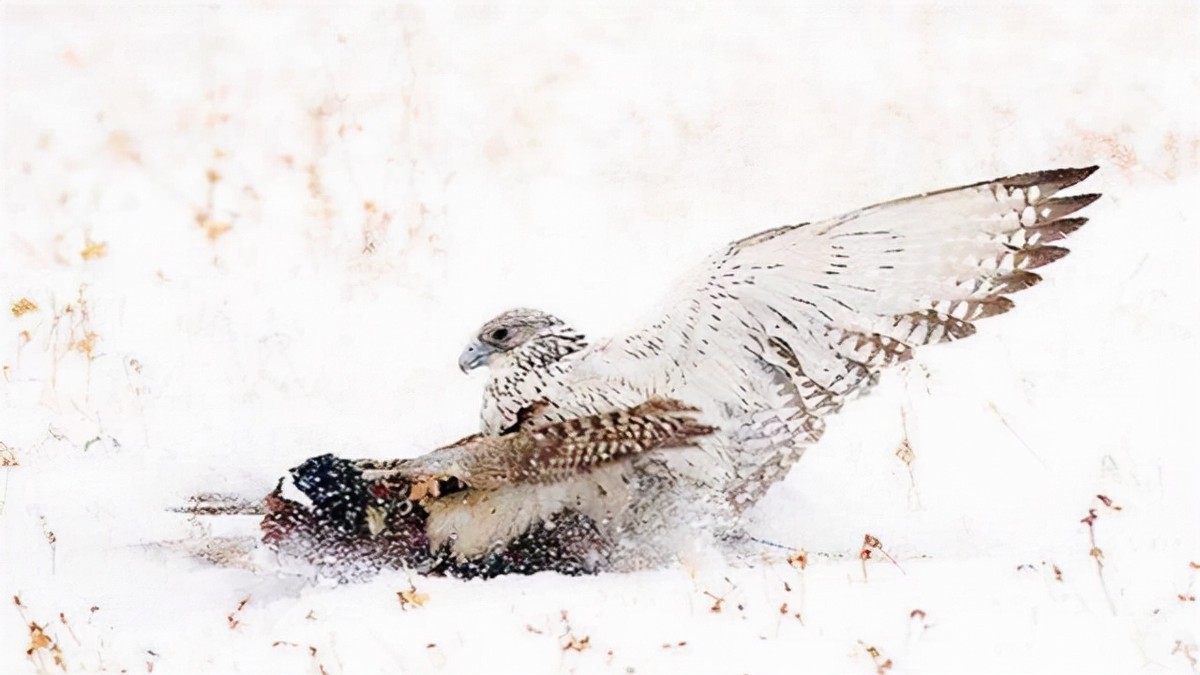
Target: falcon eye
499 334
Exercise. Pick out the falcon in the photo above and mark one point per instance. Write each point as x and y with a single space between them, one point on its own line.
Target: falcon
623 453
773 334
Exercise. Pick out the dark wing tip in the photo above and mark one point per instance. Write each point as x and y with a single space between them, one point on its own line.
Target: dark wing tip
1062 206
1053 179
1034 257
1054 230
1083 171
1017 280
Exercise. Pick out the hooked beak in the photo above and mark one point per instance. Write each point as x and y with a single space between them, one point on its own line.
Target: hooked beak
476 354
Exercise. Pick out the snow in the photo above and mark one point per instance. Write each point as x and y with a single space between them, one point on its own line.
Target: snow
227 170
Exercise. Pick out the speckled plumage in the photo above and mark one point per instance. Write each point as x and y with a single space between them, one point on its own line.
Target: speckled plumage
480 505
777 331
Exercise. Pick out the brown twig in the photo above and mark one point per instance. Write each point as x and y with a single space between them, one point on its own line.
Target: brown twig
870 543
568 640
44 650
234 618
882 664
1096 553
411 599
1186 650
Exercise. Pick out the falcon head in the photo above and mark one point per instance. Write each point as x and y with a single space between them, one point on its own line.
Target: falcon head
544 334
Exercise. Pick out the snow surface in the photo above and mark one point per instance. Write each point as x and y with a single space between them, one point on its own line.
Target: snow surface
294 218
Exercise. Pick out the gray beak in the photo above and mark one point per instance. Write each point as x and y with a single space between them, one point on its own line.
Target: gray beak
476 354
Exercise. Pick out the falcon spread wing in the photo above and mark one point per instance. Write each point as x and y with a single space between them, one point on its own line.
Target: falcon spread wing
778 330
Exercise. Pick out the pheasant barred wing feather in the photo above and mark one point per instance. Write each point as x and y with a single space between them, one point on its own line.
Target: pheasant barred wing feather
554 452
560 451
785 325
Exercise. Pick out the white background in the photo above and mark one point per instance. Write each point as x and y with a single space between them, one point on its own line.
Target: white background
377 182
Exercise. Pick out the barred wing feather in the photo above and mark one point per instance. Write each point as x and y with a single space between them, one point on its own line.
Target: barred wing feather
778 329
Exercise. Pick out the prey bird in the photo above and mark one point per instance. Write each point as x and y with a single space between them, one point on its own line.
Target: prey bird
427 513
